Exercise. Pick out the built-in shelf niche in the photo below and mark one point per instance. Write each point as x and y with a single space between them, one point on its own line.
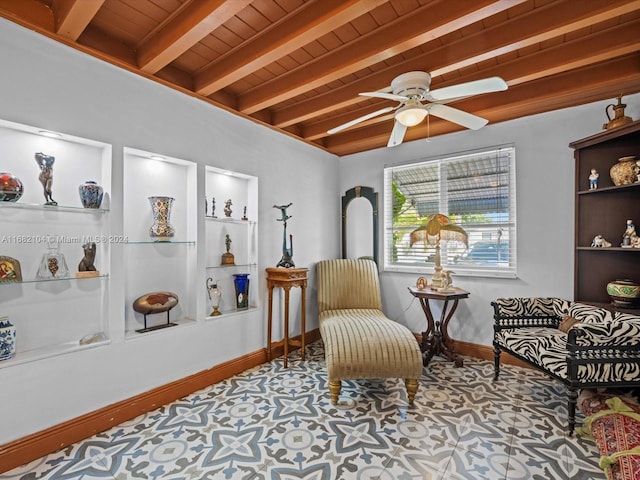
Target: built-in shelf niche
52 316
152 266
242 228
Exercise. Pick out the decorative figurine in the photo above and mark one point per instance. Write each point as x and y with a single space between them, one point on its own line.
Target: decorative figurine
244 214
287 253
421 283
45 162
600 242
629 236
227 208
86 268
227 258
593 179
10 270
213 207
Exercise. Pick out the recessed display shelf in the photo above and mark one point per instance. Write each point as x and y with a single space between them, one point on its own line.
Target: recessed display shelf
50 351
43 280
237 265
52 208
231 220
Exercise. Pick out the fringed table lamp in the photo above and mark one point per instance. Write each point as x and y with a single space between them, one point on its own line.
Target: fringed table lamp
438 227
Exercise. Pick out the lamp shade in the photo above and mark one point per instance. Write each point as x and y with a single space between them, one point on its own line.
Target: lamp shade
410 115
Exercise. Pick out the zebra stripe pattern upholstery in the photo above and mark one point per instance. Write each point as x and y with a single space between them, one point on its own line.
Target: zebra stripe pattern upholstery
601 350
359 340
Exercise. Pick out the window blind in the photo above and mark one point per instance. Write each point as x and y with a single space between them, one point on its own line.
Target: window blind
476 190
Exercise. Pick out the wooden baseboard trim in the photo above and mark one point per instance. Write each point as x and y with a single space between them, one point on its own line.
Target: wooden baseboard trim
483 352
39 444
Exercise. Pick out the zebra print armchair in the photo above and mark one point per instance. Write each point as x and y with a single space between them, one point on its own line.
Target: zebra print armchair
581 345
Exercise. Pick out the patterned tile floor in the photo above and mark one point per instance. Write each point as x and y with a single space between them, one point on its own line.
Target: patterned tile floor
278 424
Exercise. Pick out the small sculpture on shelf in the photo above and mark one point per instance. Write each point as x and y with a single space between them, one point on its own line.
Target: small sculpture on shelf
10 270
45 162
244 214
155 302
227 208
287 253
227 258
600 242
629 238
213 207
86 267
593 179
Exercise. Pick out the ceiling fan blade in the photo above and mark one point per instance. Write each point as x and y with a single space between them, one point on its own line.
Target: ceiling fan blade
359 119
486 85
388 96
397 134
457 116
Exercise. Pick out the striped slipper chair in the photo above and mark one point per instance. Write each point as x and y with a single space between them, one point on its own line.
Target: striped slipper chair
359 340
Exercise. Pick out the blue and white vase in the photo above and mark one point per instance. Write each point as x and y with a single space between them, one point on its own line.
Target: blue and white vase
7 339
241 282
90 194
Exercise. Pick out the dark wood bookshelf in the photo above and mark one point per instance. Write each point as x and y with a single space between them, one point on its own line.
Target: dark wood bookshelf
604 211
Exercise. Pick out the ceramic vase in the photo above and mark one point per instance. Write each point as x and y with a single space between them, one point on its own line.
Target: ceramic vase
241 283
161 230
624 293
624 172
90 194
7 339
11 188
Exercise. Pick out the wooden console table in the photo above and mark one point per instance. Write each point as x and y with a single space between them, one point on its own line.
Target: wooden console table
436 339
286 278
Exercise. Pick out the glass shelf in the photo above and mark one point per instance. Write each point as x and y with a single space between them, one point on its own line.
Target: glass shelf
43 280
52 208
231 313
156 242
237 265
50 351
230 220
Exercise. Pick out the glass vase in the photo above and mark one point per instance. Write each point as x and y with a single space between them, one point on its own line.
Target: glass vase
241 282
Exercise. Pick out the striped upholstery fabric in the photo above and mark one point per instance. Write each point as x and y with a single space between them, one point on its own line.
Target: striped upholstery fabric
359 340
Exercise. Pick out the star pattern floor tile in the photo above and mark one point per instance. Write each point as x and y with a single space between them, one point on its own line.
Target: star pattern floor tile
272 423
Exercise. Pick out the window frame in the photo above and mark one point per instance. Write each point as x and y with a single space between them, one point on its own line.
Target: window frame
461 268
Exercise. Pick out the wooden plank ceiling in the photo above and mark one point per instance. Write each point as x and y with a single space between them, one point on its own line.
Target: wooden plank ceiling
298 66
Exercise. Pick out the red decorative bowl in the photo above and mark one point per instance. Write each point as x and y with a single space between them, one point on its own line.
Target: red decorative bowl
11 188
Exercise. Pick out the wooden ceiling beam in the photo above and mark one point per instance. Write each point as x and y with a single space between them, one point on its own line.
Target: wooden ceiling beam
29 13
423 24
308 23
538 25
73 16
601 46
186 28
588 84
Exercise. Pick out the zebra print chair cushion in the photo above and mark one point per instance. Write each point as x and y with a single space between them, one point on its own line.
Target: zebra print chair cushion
601 350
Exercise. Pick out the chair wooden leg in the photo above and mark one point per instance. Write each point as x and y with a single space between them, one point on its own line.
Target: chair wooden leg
412 389
334 389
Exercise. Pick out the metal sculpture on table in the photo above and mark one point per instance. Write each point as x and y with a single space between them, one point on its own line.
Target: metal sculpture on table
287 253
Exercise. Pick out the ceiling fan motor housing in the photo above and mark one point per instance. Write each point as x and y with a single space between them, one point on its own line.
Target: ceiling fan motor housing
412 84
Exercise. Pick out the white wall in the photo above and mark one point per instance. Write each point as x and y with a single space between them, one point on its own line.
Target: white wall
51 86
545 211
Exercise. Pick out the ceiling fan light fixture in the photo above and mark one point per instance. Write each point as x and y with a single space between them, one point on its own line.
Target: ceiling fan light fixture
410 115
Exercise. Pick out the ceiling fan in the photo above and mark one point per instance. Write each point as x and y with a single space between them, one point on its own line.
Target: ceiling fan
411 89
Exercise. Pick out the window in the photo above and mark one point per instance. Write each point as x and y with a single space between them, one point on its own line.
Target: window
475 190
